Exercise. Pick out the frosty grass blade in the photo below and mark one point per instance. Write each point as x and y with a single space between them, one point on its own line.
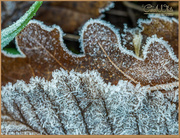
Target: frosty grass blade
8 34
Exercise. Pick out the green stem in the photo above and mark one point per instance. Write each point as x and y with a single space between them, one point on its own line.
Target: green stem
8 34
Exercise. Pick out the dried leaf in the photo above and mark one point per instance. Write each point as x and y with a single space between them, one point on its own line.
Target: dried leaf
56 15
71 15
14 69
162 28
81 103
93 8
103 51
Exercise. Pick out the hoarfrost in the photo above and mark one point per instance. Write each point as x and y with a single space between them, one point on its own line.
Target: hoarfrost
105 50
82 103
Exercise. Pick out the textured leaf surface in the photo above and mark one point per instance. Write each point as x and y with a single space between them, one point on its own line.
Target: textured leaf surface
14 127
17 68
81 103
104 51
163 28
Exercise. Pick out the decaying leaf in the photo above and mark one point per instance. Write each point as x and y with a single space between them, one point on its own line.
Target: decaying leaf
79 12
162 28
81 103
89 7
17 68
104 51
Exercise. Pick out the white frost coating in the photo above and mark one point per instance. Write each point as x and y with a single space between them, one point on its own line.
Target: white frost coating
165 18
153 39
107 8
124 49
162 17
49 29
173 95
131 30
12 28
116 31
98 108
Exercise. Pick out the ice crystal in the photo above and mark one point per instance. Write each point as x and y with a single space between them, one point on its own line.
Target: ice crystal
85 101
76 103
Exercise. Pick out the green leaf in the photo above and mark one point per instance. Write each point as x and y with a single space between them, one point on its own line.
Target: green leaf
12 51
8 34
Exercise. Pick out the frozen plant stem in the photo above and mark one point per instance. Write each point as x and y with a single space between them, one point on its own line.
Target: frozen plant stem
8 34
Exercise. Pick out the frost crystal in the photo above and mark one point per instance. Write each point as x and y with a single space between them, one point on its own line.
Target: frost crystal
80 104
134 56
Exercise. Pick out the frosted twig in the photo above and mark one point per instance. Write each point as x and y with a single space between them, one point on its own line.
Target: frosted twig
71 37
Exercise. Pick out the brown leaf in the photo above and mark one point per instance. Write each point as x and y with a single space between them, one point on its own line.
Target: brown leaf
68 19
162 28
14 69
45 51
93 8
70 15
158 26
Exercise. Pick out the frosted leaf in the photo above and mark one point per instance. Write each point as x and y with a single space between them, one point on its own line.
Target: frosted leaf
76 103
160 111
156 65
10 126
162 26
